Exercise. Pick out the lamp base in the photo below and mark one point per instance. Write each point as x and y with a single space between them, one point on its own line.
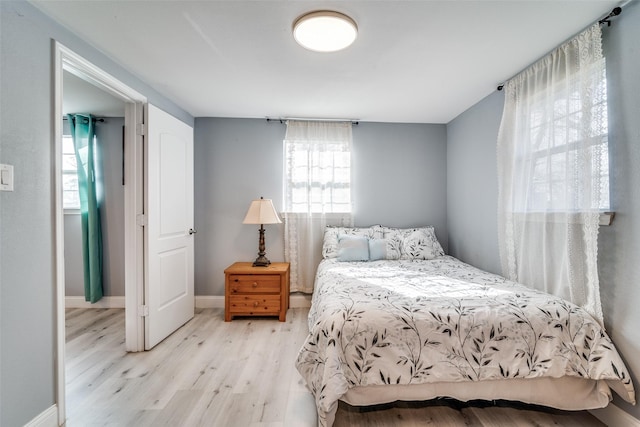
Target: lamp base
261 261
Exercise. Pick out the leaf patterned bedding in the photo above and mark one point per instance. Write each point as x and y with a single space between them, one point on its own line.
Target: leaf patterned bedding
441 320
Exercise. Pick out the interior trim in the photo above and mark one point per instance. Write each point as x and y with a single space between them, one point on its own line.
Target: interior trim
47 418
105 302
64 59
202 301
613 415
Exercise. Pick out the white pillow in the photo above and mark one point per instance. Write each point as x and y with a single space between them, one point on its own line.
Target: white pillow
415 243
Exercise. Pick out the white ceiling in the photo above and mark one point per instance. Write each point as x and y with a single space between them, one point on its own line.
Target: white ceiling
413 61
82 97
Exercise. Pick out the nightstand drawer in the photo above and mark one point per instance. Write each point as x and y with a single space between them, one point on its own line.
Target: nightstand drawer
244 284
253 304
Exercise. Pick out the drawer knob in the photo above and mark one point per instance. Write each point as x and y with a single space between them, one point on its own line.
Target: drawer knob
254 284
255 304
234 290
235 280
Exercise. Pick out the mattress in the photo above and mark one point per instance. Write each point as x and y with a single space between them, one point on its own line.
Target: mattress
418 329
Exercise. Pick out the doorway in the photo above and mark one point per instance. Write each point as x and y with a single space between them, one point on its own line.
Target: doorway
67 61
82 97
158 215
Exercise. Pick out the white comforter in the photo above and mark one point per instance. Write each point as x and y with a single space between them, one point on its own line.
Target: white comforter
415 322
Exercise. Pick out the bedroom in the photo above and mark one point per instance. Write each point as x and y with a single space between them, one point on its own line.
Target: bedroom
461 201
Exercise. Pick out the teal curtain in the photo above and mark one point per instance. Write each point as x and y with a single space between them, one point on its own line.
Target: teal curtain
83 132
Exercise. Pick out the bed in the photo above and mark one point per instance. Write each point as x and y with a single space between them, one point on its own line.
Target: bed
410 323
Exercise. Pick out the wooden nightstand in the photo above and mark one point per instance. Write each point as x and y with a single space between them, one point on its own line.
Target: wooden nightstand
256 291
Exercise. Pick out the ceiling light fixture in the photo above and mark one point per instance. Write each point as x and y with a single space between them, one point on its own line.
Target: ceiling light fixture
325 31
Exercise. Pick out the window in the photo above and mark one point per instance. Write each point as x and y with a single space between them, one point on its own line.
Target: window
317 167
560 144
316 192
70 195
553 171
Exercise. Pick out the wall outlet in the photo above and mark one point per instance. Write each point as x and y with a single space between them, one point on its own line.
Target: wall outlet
6 177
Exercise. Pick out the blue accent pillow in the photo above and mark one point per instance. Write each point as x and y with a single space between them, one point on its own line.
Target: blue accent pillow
377 249
353 248
384 248
331 234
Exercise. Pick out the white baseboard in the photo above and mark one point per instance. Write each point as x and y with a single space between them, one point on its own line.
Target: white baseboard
118 302
105 302
202 301
300 301
209 301
48 418
613 416
217 301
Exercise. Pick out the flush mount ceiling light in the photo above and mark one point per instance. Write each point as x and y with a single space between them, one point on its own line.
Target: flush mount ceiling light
325 31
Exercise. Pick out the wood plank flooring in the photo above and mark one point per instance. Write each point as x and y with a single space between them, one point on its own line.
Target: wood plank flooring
242 373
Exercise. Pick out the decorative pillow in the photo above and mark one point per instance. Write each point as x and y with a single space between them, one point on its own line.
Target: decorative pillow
331 233
416 243
384 249
353 248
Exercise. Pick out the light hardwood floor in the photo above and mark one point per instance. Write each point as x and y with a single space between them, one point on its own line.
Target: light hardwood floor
234 374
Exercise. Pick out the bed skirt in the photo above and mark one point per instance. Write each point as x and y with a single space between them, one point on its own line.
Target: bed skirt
566 393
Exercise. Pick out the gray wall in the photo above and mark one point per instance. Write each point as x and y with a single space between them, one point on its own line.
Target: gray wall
109 134
472 184
399 176
236 161
619 244
472 190
27 270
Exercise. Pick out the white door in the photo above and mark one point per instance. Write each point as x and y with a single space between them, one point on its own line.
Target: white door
169 230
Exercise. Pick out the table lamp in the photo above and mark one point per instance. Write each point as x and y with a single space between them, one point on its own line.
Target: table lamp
261 212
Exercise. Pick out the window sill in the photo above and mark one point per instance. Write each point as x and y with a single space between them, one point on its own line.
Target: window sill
72 211
606 218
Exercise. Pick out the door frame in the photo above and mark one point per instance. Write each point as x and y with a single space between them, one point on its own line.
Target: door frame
67 60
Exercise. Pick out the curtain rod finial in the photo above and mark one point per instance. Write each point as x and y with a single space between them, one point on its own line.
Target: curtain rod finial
606 20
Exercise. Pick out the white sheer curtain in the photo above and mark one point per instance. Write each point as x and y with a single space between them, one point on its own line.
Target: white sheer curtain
317 192
553 172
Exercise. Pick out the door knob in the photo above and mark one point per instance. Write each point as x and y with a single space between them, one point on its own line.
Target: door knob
192 231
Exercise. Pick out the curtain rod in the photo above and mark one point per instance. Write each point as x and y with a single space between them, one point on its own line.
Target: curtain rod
303 119
97 119
606 20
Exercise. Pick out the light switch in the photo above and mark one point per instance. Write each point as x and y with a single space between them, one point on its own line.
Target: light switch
6 177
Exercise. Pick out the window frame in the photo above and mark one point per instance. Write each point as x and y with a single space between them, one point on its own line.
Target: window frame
533 154
289 183
74 209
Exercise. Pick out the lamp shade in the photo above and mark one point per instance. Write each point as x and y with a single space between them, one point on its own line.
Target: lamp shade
261 211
